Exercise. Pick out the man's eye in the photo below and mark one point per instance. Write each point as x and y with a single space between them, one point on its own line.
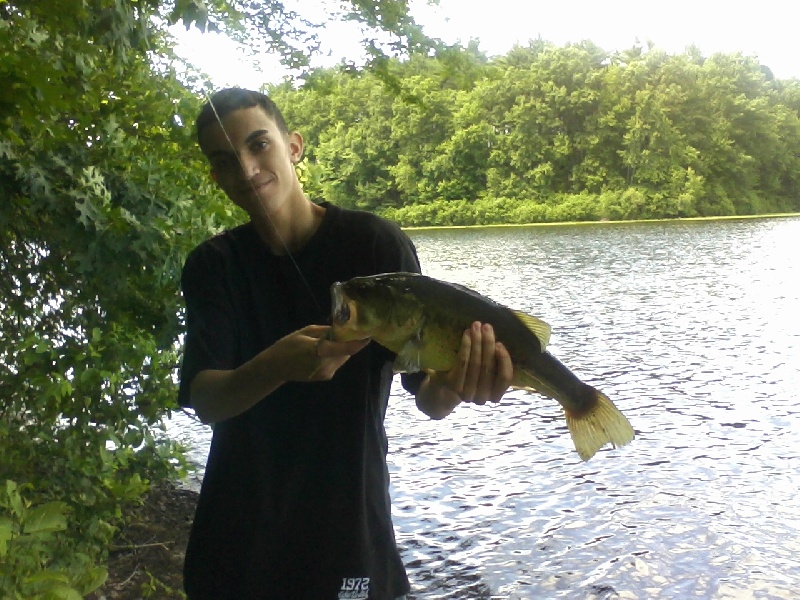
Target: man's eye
223 164
259 145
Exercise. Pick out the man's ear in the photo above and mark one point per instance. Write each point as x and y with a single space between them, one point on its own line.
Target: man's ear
295 147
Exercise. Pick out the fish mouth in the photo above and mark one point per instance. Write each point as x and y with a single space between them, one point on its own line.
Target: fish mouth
341 310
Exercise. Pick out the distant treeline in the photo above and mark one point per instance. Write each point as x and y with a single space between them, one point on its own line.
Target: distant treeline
549 133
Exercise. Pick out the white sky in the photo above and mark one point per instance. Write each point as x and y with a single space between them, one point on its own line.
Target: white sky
767 29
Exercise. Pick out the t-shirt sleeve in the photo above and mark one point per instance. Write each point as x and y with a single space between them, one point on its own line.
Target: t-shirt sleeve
210 327
394 251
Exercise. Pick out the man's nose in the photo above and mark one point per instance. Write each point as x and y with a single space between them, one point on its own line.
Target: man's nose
250 166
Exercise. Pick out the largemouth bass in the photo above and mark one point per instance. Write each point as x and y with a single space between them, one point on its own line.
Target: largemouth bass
422 319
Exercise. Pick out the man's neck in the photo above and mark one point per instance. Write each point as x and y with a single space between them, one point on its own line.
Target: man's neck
288 230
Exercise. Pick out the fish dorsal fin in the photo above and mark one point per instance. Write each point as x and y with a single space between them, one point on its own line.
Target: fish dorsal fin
538 327
408 359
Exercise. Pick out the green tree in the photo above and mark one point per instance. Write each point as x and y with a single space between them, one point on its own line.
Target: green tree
459 168
356 153
419 129
103 194
96 174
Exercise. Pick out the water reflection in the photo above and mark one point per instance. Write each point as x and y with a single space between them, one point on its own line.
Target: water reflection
693 330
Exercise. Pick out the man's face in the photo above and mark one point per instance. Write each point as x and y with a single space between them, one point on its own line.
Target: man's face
252 160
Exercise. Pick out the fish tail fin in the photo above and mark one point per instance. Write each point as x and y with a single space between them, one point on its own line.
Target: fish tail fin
600 424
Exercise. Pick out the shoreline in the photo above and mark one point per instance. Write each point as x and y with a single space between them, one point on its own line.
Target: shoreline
605 222
145 558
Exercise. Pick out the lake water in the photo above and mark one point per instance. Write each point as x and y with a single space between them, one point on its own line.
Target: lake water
693 329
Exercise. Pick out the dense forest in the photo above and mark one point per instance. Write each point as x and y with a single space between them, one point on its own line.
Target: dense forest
103 193
549 133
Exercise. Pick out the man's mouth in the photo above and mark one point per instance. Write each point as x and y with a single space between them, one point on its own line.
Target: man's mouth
254 186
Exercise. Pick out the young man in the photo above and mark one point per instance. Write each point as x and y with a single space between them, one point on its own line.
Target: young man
294 503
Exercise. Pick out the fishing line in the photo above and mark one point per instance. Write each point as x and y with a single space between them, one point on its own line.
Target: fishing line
263 208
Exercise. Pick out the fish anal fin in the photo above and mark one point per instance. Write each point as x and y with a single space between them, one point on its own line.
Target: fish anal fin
597 426
538 327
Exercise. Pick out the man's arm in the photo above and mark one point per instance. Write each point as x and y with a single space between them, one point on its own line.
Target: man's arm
305 355
483 373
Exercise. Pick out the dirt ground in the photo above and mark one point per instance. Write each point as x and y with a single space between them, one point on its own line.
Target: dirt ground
146 558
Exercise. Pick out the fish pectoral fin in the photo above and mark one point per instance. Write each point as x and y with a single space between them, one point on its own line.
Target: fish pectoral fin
538 327
408 359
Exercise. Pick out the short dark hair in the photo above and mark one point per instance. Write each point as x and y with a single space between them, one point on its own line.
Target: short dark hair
226 101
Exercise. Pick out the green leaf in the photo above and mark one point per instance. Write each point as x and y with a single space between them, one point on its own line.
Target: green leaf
63 592
94 578
7 530
52 586
48 517
14 499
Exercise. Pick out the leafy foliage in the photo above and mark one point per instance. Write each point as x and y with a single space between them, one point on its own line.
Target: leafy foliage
91 242
103 195
38 557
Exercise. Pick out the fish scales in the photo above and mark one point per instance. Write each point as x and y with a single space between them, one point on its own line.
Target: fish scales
465 306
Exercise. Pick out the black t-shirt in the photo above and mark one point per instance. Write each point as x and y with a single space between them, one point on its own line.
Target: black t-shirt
294 504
